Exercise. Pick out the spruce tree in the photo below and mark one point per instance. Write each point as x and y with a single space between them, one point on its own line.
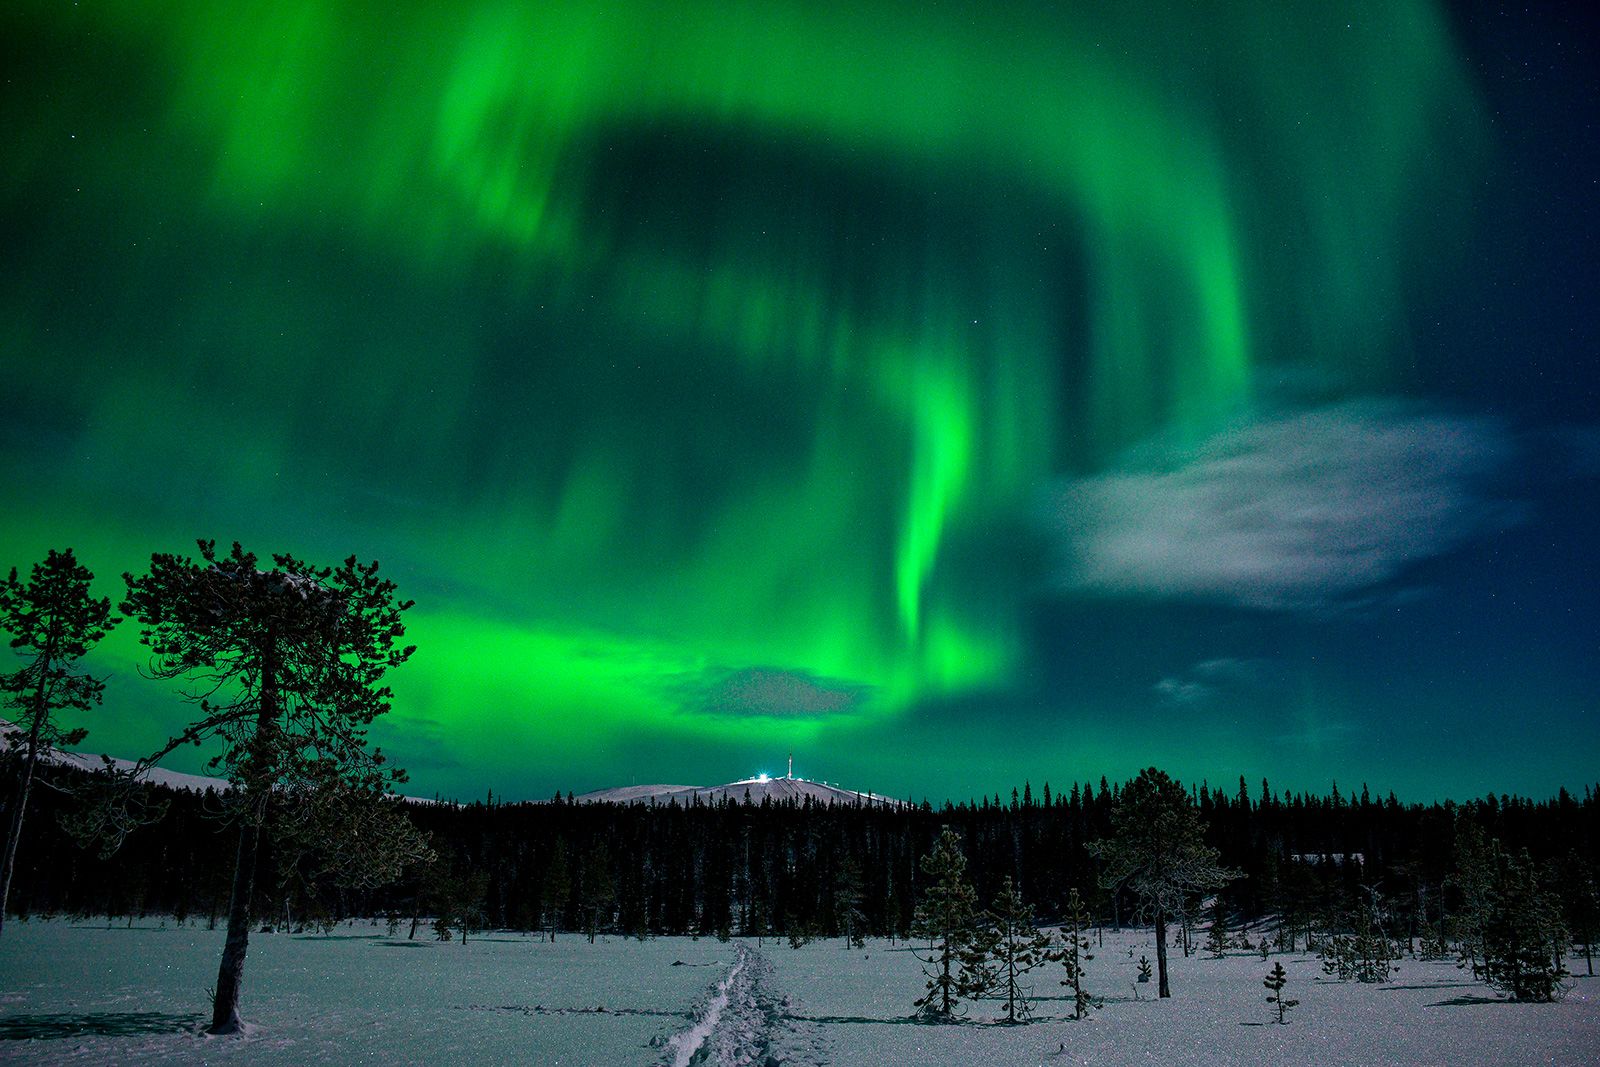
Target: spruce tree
1275 980
287 665
1217 931
1157 850
944 918
53 623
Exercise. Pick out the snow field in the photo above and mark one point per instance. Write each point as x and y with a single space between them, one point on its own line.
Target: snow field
1429 1015
86 994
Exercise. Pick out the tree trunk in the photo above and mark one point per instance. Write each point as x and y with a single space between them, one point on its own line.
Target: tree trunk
20 807
1161 954
230 974
944 987
258 779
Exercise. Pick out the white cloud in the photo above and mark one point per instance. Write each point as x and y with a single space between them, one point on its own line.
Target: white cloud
1303 510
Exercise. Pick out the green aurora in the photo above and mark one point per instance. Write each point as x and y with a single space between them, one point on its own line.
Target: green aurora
696 368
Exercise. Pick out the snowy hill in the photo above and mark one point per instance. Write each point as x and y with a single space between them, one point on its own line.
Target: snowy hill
84 761
755 789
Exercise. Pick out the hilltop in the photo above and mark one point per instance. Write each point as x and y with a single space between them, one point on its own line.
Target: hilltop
756 789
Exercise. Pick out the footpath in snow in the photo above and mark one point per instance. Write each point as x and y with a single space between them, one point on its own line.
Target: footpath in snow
745 1022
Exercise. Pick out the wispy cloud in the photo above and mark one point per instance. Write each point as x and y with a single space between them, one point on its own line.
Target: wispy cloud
1209 678
1183 691
771 691
1304 510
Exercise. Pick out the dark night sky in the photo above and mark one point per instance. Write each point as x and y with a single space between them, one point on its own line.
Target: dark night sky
954 395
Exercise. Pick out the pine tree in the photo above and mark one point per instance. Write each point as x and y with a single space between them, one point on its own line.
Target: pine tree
1275 980
1523 933
471 895
979 973
598 890
1144 969
944 919
1580 901
756 924
53 623
1473 879
287 665
1016 948
1071 950
1157 850
1371 950
800 934
847 898
556 888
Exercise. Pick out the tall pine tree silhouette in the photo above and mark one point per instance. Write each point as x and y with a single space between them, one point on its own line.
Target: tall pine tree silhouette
1072 952
944 919
53 623
1016 946
286 665
1157 850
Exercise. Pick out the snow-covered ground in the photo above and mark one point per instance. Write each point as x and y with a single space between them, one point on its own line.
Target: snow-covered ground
87 994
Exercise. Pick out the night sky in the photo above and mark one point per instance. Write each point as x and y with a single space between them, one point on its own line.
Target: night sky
953 394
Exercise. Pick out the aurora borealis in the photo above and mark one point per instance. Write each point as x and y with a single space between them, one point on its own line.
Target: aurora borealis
953 394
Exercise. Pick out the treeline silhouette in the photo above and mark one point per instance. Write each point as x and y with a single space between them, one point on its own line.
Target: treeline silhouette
803 870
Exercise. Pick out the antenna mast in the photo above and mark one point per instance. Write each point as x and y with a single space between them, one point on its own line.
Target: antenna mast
791 765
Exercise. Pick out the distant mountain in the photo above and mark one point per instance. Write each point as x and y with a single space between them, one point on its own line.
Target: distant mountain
755 789
83 761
